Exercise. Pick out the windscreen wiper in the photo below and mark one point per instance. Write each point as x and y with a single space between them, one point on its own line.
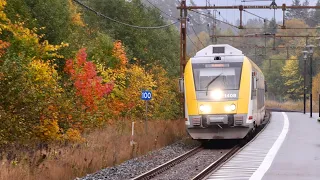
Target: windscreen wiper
211 83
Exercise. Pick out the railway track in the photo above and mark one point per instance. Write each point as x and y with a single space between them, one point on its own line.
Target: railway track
167 165
179 167
217 163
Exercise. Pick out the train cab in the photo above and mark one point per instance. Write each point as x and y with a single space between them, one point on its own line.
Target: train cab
224 94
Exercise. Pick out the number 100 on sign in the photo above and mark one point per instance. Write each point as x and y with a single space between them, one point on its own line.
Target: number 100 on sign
146 95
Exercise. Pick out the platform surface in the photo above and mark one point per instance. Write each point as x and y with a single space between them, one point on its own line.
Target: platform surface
289 148
299 156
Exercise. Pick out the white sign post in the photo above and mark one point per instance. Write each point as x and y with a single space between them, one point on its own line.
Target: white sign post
146 96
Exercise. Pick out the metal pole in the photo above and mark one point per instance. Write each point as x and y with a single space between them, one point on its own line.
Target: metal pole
304 81
255 54
241 9
304 85
145 124
183 44
319 104
311 85
283 16
182 35
215 26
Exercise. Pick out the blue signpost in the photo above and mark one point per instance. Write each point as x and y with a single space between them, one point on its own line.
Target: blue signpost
146 96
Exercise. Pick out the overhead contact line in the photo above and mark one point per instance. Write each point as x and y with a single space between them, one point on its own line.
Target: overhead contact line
193 43
172 17
197 36
123 23
214 18
265 19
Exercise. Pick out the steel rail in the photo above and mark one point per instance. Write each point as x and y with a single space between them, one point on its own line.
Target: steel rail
217 163
167 165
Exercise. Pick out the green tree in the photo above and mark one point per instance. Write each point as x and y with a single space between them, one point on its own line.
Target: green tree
274 80
294 13
149 46
316 16
54 15
299 13
55 20
272 26
293 81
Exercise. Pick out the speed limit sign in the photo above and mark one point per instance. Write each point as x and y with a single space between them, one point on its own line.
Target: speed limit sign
146 95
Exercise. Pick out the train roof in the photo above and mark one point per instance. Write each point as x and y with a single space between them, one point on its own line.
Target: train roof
218 50
218 53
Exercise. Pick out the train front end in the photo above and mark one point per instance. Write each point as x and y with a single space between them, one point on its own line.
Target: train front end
217 94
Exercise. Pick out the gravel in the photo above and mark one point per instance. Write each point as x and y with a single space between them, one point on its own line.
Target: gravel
193 165
137 166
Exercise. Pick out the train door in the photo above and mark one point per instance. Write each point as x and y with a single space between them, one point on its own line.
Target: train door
254 94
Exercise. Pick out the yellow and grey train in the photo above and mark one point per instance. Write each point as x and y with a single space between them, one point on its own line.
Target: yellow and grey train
224 94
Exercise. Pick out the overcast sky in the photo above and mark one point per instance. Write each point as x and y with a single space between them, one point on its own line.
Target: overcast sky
233 15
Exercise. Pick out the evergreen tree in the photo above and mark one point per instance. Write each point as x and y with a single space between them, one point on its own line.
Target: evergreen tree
316 15
272 76
303 14
305 11
294 13
272 26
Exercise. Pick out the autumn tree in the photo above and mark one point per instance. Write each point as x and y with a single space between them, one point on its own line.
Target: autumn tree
49 90
293 81
316 87
54 15
88 84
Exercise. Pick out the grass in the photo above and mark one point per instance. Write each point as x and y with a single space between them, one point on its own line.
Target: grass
292 105
103 148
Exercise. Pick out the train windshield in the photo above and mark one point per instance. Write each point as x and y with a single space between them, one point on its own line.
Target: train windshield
208 78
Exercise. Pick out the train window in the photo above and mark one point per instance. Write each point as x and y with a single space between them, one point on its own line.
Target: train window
253 87
225 78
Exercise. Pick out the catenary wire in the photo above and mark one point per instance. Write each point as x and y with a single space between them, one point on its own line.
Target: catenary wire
197 36
213 18
172 17
122 23
193 43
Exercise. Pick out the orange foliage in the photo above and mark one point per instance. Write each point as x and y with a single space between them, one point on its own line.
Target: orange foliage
49 130
89 86
3 45
119 52
76 17
74 135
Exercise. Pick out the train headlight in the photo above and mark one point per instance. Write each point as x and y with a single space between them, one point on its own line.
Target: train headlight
204 108
229 108
233 107
216 94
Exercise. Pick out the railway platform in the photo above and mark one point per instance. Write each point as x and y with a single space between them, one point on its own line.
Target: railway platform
288 149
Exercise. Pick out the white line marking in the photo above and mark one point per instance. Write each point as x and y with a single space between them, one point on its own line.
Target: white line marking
265 165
